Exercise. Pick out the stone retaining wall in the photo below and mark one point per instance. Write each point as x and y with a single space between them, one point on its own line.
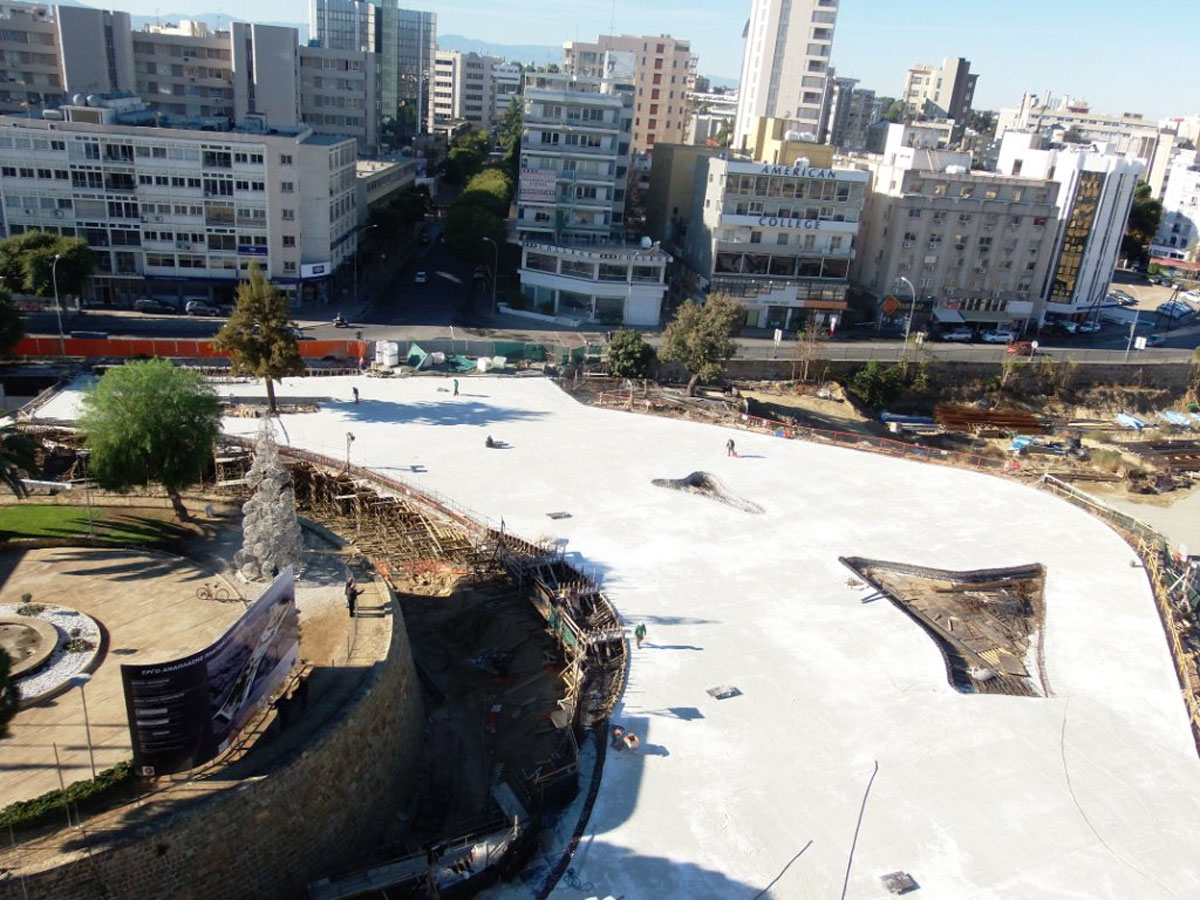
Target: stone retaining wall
322 809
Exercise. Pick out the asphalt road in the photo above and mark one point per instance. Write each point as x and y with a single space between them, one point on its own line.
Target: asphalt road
449 304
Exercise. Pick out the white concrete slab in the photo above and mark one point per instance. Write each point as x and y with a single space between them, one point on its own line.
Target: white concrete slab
1093 792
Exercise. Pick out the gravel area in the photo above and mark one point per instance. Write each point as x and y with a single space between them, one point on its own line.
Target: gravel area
61 665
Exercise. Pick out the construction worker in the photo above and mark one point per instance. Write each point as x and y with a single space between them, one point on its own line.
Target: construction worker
729 448
639 634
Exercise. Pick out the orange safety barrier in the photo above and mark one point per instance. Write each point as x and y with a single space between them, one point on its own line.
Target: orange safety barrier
169 347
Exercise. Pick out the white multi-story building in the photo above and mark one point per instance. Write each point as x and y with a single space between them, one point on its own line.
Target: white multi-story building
1179 231
785 65
974 246
664 75
575 159
1096 186
182 213
777 238
469 87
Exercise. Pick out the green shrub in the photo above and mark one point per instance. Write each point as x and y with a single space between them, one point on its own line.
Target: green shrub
88 796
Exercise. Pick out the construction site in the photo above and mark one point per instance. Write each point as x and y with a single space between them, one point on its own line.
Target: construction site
802 732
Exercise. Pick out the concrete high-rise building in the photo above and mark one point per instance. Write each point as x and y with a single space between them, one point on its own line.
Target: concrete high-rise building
785 65
404 42
1056 118
575 161
48 52
664 76
945 92
469 87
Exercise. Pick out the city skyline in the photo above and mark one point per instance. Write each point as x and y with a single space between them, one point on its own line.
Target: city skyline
1078 46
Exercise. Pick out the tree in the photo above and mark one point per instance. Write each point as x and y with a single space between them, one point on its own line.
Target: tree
629 355
876 385
466 228
700 338
892 110
27 263
10 697
509 134
12 326
1144 217
258 336
150 422
16 456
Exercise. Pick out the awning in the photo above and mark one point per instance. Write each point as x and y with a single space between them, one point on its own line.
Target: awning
948 315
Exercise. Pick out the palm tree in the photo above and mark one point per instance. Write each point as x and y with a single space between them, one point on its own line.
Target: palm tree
16 456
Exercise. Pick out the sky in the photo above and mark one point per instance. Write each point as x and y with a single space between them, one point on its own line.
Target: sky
1094 49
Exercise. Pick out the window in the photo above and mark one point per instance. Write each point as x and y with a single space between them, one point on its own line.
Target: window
289 240
288 215
285 159
289 266
781 239
756 237
287 187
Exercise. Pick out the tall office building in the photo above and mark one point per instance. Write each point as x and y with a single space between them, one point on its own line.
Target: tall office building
469 87
664 76
946 92
404 41
785 64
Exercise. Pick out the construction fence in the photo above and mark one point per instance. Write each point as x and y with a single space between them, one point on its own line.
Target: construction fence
126 348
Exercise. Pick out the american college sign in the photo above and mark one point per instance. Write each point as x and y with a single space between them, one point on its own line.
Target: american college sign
797 171
776 222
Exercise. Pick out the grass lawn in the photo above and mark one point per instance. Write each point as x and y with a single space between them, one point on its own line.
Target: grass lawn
121 526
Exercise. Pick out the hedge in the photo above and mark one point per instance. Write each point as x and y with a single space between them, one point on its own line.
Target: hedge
88 796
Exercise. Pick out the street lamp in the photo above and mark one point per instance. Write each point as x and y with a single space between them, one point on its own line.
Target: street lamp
361 229
1132 331
62 340
912 307
495 269
79 681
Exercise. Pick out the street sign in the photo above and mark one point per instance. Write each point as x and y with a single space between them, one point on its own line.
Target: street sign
890 304
778 336
1140 342
1034 345
833 323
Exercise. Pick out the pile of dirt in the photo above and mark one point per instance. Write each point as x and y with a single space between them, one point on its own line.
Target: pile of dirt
706 485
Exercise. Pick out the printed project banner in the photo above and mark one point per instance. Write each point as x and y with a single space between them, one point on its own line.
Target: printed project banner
184 712
538 185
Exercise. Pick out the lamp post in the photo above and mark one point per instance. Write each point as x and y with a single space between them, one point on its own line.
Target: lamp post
62 340
1132 330
80 681
349 441
912 307
361 229
495 268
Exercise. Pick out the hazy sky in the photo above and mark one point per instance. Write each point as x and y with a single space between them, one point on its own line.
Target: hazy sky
1120 56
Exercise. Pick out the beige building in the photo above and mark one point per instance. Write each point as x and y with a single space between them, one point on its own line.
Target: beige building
664 75
377 182
181 213
1053 118
940 92
785 65
975 246
672 186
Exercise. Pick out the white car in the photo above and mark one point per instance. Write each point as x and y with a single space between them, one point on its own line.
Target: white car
998 336
958 334
1091 326
420 278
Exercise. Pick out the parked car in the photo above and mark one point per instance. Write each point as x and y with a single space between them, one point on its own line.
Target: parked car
201 308
1091 326
998 336
962 333
420 278
299 335
150 305
1155 340
1155 279
1021 348
1066 326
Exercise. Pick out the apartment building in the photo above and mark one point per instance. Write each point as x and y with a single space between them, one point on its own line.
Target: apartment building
975 246
403 41
664 76
785 64
377 182
470 87
779 238
1096 186
940 92
1178 233
48 51
181 213
575 160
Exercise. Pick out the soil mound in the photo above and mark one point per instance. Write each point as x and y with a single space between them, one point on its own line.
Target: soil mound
706 485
